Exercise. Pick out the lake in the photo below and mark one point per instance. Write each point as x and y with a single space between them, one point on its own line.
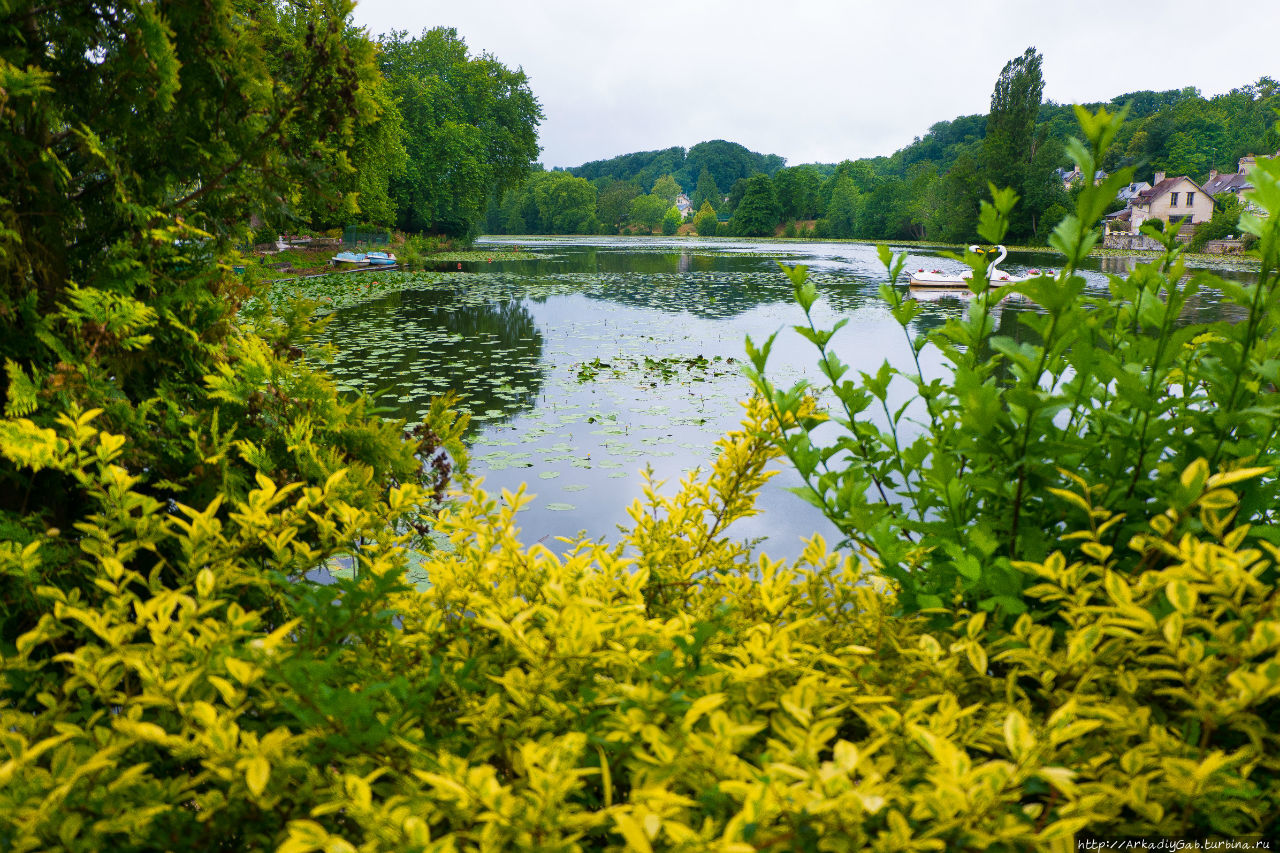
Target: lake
591 358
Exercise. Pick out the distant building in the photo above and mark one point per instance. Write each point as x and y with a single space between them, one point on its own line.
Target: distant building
1234 184
1220 184
1179 200
1074 176
684 206
1129 193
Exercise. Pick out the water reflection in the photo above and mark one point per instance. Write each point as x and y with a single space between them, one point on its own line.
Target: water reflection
599 358
419 343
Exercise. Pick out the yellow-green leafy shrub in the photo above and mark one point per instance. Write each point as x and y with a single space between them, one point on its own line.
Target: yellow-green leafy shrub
666 692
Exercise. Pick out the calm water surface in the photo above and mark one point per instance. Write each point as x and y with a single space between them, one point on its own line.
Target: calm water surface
602 356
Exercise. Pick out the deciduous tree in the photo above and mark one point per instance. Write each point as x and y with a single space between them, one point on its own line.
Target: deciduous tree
671 221
647 211
705 221
1007 148
566 205
842 212
1010 143
797 190
471 129
666 187
613 204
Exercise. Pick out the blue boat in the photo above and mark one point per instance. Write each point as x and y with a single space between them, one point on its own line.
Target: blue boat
353 258
381 259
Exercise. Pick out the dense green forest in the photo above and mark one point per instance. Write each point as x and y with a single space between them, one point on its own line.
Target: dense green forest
727 163
434 131
928 190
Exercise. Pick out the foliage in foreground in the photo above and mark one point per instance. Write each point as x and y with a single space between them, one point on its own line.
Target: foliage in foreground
665 692
950 477
112 297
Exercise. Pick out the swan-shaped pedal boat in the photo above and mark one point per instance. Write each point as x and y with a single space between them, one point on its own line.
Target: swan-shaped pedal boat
997 276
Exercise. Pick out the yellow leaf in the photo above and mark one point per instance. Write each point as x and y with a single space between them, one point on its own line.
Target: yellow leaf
334 479
1096 551
1181 595
1195 475
204 583
1219 499
143 731
701 707
444 785
1118 589
1062 778
845 755
269 642
241 671
606 778
632 833
304 836
256 774
229 694
1017 735
1226 478
1072 730
977 656
1071 497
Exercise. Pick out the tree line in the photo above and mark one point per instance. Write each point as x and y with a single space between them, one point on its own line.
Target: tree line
928 190
431 132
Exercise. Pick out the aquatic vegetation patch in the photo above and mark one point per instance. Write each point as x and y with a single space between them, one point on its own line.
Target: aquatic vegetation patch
665 368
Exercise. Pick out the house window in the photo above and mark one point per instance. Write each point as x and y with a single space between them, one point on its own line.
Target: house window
1173 199
1190 198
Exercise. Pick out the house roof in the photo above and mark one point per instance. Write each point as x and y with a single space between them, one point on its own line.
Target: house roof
1167 185
1132 190
1121 215
1227 183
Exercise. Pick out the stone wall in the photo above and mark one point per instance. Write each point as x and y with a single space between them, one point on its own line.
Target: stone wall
1132 242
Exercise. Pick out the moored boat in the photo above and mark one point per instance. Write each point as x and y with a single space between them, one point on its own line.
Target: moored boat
353 258
997 276
938 278
381 259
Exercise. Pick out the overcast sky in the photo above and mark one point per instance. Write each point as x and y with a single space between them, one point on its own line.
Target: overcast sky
822 80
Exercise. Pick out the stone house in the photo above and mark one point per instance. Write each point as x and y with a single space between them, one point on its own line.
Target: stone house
1177 199
1218 184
